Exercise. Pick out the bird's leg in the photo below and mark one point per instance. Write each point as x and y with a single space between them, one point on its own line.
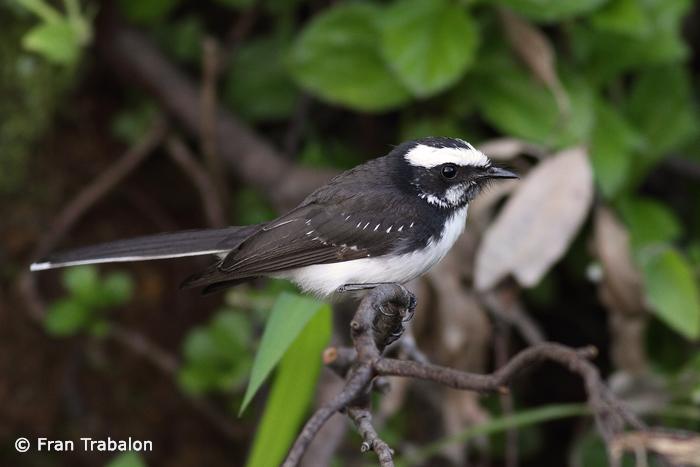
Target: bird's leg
356 287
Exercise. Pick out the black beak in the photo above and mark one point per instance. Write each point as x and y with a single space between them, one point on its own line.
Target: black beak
497 172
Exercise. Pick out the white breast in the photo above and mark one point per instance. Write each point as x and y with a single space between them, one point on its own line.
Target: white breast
324 279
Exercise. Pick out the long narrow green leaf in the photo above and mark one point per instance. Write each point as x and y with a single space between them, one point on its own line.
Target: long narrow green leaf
291 393
289 315
496 425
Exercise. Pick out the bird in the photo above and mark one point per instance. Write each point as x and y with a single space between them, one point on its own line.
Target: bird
388 220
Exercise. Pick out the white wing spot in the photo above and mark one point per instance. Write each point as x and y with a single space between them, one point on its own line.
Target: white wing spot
358 225
308 221
410 226
310 232
400 228
375 229
347 217
363 228
389 229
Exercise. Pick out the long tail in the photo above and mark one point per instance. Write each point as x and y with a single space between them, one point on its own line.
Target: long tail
160 246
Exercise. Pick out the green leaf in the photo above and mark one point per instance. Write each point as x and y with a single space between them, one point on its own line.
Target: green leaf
42 9
672 291
419 128
428 44
217 356
336 57
128 459
182 39
117 289
605 54
590 451
291 393
288 317
518 105
624 17
148 12
237 4
552 10
258 85
130 124
613 142
81 281
66 317
661 106
650 224
57 42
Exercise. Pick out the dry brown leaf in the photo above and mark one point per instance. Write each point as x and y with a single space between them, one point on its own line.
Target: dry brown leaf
503 149
538 222
533 47
679 447
620 289
623 283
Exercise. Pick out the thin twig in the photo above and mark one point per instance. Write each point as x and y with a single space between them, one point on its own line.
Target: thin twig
513 315
167 364
357 381
80 204
374 325
501 355
209 108
100 186
362 417
211 202
252 158
27 287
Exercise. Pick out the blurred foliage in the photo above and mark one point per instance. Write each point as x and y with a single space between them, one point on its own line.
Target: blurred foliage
31 88
128 459
218 356
89 296
410 68
59 37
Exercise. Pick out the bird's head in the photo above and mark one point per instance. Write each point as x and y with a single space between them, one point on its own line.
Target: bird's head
446 172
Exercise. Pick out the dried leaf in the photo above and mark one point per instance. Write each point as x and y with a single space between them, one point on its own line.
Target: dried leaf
538 222
679 447
533 47
503 149
622 280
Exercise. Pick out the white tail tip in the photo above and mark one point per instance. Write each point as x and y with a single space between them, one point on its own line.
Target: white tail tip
40 266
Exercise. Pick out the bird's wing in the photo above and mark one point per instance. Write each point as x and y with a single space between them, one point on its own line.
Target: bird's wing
316 233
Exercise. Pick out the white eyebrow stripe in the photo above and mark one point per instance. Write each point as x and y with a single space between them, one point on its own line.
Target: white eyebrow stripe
429 156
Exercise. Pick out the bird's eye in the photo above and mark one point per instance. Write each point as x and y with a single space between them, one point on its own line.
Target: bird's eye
449 171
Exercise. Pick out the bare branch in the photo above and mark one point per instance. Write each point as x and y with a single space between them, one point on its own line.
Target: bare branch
211 202
381 317
362 417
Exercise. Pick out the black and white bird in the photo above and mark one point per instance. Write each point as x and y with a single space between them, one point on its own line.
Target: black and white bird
388 220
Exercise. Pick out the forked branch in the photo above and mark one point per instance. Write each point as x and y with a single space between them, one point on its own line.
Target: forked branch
380 320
